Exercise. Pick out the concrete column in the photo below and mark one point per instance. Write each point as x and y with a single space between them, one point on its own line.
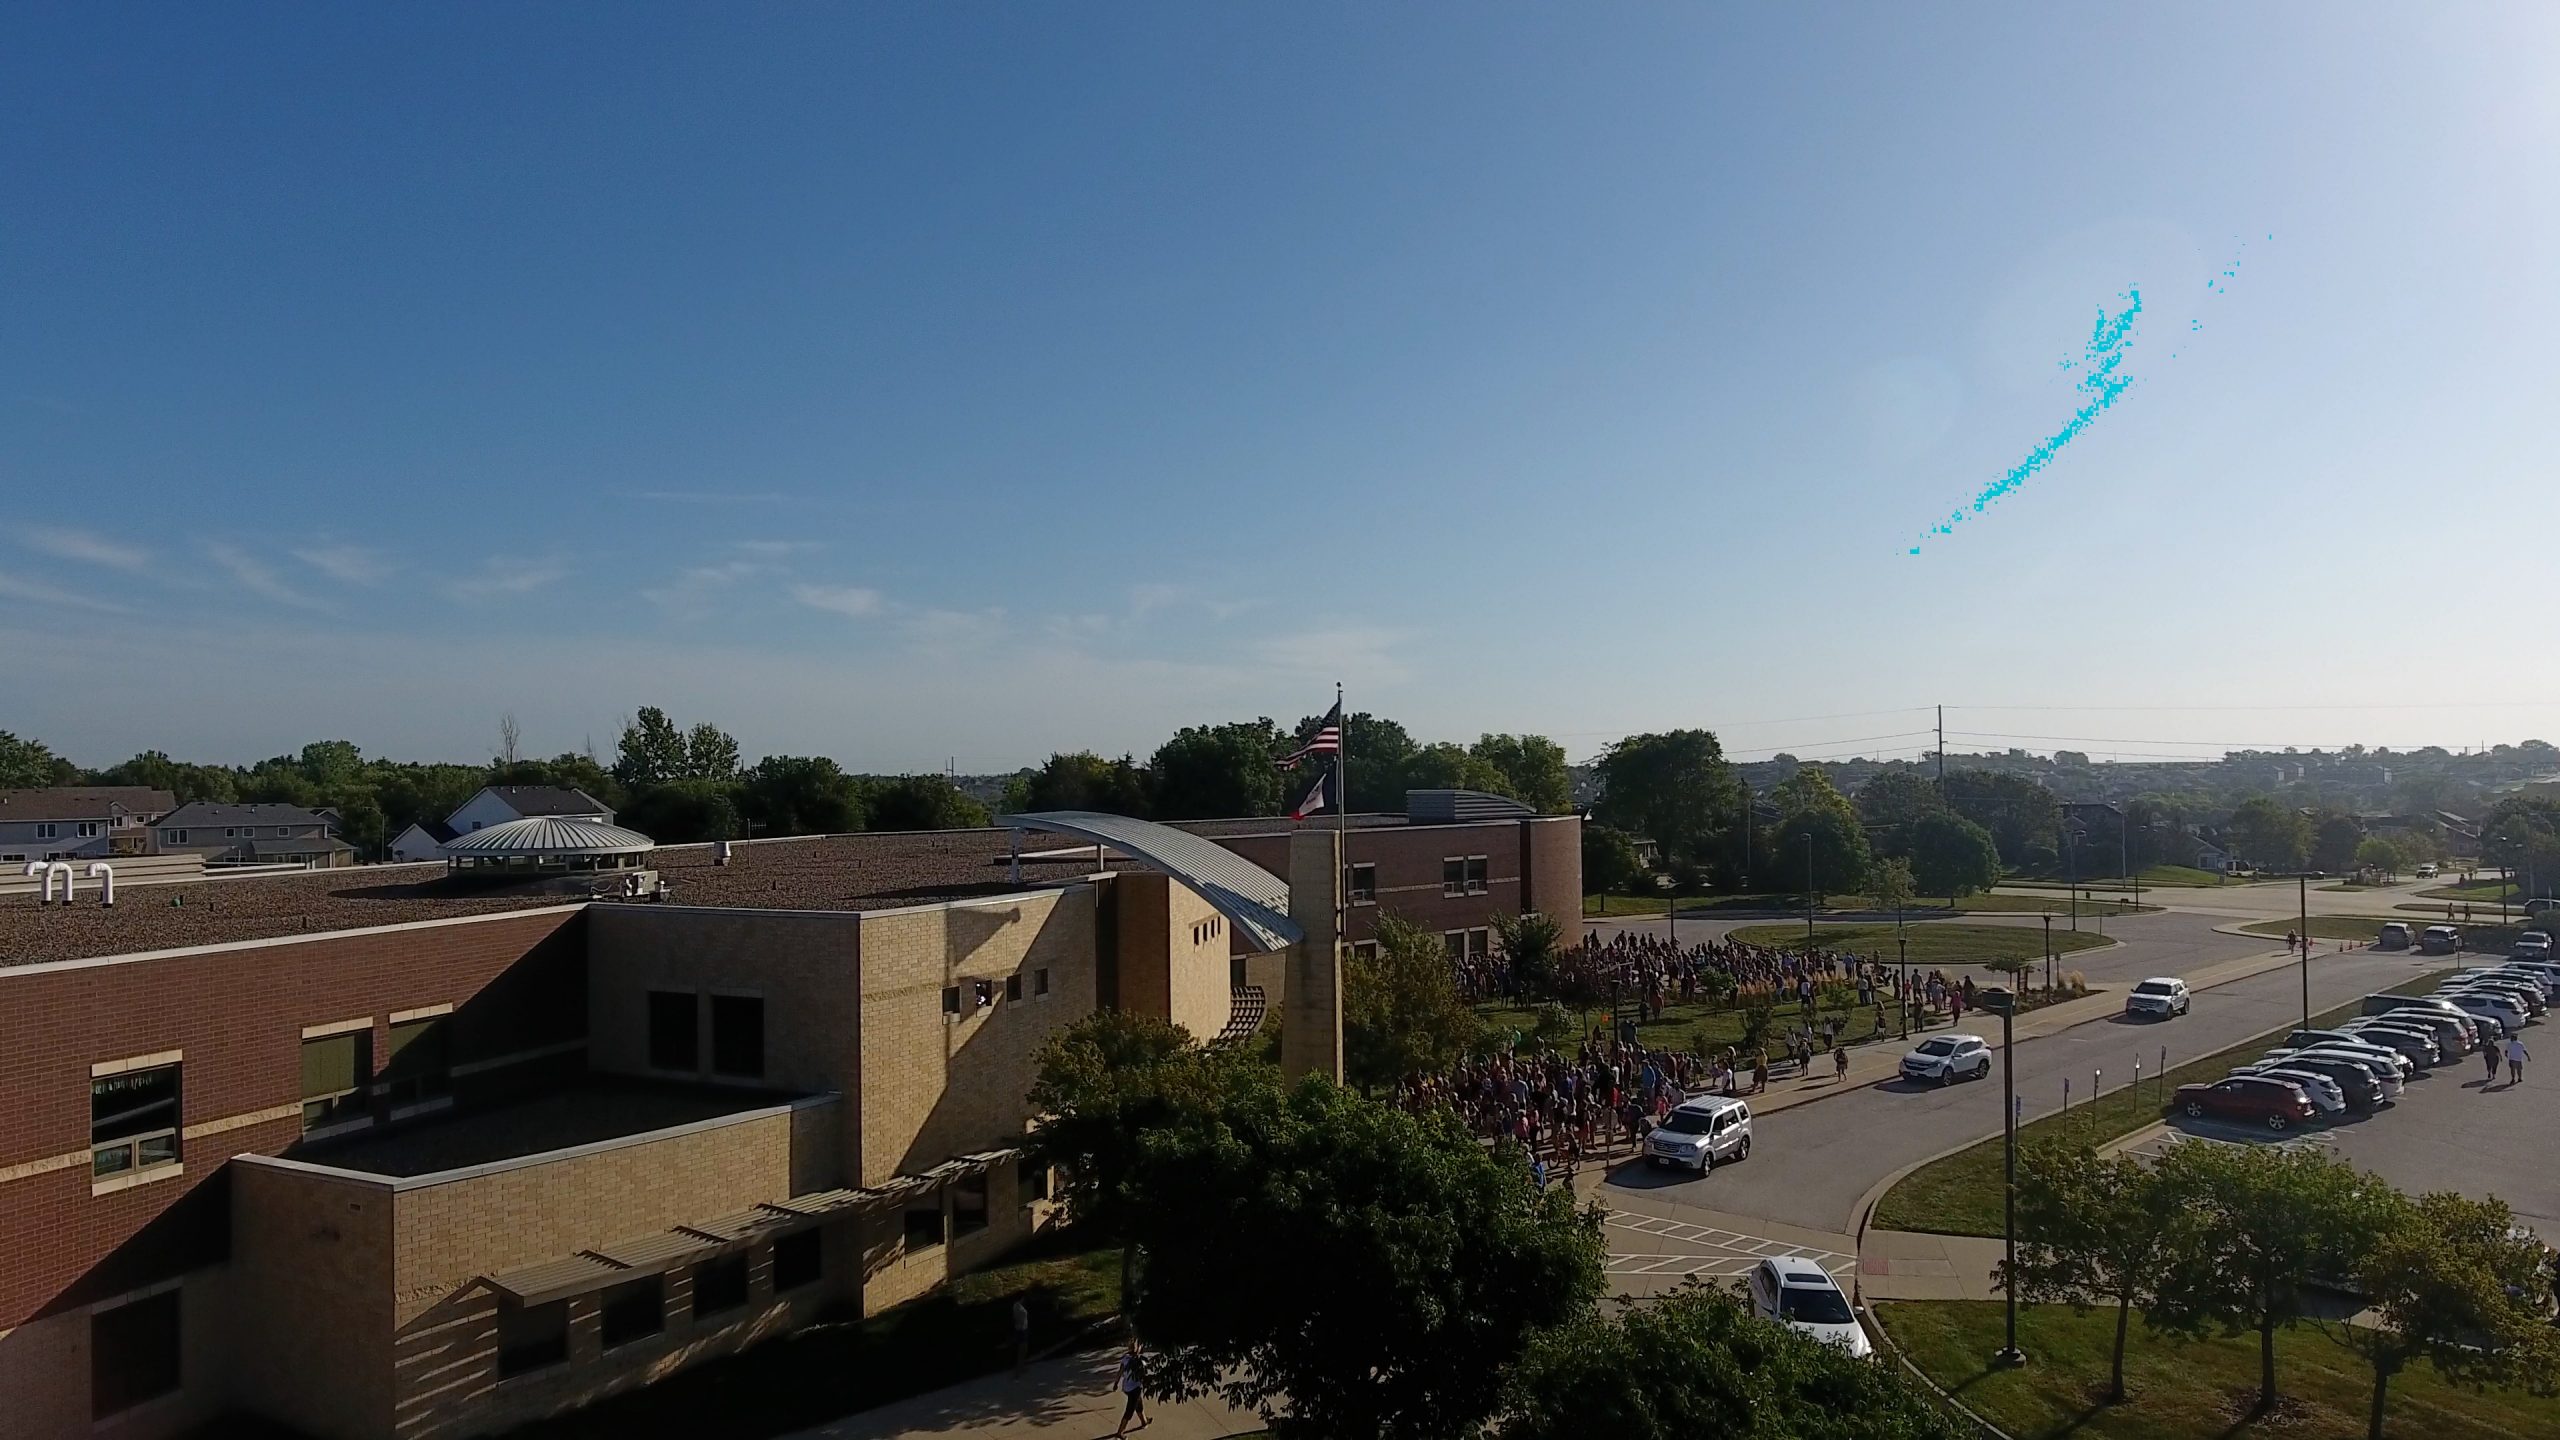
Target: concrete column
1311 1000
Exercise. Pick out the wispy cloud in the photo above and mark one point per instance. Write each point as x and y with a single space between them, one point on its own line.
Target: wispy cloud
350 564
1143 598
774 549
87 548
853 601
1332 653
955 629
689 595
37 592
508 575
257 576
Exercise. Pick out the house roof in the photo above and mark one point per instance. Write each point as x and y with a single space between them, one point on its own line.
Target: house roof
208 814
532 800
89 802
435 830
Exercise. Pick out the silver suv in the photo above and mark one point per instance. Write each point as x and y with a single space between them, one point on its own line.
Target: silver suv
1701 1134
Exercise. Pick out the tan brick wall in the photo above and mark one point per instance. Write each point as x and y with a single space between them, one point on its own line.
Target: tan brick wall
1554 866
44 1374
932 1088
1173 954
312 1307
806 965
1143 931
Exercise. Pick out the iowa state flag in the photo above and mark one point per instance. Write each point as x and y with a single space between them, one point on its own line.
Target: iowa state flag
1326 794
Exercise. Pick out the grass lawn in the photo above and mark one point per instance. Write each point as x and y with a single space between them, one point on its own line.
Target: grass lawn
2488 889
2323 927
1999 904
1694 1026
1596 907
819 1374
1933 942
2184 876
1960 1194
2202 1389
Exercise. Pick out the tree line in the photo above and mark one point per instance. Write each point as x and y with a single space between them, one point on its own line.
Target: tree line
2238 1239
1344 1267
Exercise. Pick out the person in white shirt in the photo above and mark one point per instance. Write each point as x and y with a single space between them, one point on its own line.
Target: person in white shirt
2516 1056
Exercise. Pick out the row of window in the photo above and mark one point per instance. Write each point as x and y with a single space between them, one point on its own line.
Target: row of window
1465 875
536 1337
84 829
980 994
737 1033
229 832
1208 930
1468 944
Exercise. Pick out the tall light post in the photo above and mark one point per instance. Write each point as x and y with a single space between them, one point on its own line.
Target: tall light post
2000 1002
2047 917
1902 952
2071 848
2302 894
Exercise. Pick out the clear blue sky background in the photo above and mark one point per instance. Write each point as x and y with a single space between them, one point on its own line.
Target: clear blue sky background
965 382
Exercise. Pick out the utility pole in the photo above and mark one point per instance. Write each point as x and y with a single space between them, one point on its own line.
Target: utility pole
2302 893
1998 1000
1942 752
2047 917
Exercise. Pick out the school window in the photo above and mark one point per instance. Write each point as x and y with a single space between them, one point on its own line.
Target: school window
950 999
1235 973
1478 875
799 1258
1456 940
1040 981
417 1067
1479 944
1363 885
133 1121
924 1222
969 1205
1365 949
133 1354
1013 987
737 1036
720 1284
1453 875
634 1310
335 1071
674 1036
1031 1181
531 1337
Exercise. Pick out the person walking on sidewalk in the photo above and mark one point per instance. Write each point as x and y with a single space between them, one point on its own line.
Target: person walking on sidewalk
2489 1055
1839 1063
2516 1056
1133 1384
1021 1334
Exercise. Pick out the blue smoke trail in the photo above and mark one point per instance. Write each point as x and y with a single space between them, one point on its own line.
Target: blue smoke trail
2103 384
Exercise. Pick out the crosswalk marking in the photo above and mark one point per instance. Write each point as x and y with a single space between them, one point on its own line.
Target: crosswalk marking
1723 1254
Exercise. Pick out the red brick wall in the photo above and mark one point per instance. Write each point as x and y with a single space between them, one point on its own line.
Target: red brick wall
516 984
1408 859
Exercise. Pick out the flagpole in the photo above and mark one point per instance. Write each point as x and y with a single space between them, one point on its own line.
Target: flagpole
1341 811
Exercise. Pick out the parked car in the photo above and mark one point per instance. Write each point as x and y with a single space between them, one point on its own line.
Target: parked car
2439 940
2385 1004
1701 1134
1793 1290
2525 988
2418 1045
2427 871
2389 1071
2546 971
2395 936
2455 1033
2304 1039
2325 1093
2531 945
2345 1043
2494 1008
2157 998
2357 1087
2278 1105
2540 904
2533 977
1943 1059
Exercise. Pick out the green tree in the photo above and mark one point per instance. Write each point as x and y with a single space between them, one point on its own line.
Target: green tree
1532 769
2378 855
1673 788
570 771
1376 754
923 802
651 750
2271 833
1893 803
2090 1230
1397 1267
710 753
24 764
1952 856
1891 884
1532 943
1834 843
1697 1363
1610 864
2334 838
685 812
1402 1012
1446 766
1210 772
1082 780
2268 1221
2016 810
2451 1282
331 764
1809 789
801 795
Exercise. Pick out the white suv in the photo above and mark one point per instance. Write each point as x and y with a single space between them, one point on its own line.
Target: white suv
1698 1135
1943 1059
1792 1290
2161 996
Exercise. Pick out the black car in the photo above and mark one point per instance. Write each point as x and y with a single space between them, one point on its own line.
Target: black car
2362 1091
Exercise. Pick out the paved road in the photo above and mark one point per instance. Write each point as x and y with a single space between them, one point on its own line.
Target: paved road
1810 1165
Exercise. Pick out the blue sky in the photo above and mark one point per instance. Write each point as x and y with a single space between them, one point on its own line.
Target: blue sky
914 384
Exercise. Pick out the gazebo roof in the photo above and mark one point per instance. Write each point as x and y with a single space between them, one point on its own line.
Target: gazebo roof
549 835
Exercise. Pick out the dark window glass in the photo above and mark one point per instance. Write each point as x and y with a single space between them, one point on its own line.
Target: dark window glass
335 1071
1453 876
418 1067
799 1258
531 1336
969 1205
634 1310
1013 987
924 1222
720 1284
1364 882
1478 875
950 999
1040 981
133 1354
133 1120
674 1041
1235 972
1033 1181
1456 940
737 1035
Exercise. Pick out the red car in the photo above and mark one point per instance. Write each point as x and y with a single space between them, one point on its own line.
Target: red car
2257 1100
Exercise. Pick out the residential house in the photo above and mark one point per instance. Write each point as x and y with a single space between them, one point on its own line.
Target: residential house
80 823
496 805
264 834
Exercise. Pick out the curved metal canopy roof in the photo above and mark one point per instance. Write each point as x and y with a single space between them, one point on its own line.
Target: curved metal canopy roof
1256 900
549 835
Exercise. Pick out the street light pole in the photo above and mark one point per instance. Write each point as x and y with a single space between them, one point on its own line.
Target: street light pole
1902 950
1998 999
2302 892
2047 917
1808 895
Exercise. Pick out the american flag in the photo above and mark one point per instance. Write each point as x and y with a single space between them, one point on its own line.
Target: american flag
1326 741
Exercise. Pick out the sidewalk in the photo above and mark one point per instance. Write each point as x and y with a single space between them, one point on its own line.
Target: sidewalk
1069 1397
1908 1265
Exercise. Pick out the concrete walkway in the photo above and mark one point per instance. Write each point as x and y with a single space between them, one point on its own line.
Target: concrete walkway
1069 1397
1907 1265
